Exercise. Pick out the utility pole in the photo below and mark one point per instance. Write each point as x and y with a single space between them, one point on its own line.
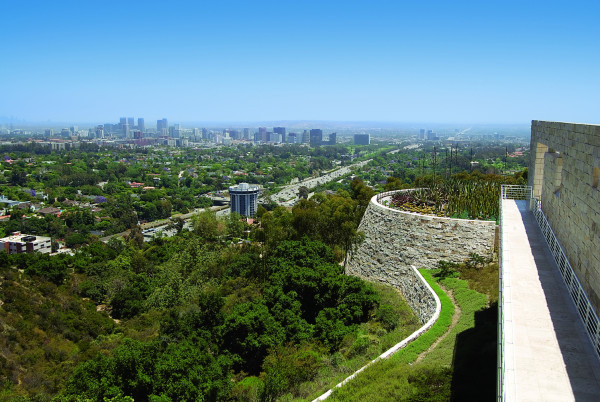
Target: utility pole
434 163
471 161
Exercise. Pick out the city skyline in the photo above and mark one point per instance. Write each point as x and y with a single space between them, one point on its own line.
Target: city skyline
504 63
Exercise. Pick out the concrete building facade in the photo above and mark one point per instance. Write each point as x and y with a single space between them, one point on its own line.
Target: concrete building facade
564 173
18 243
244 199
362 139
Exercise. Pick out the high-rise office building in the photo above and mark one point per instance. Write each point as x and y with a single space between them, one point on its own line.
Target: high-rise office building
275 138
100 131
291 138
316 137
244 199
332 139
362 139
162 125
262 133
246 133
175 131
305 137
48 132
280 130
131 122
422 134
141 124
124 127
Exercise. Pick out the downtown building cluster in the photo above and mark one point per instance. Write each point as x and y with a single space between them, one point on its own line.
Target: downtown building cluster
126 131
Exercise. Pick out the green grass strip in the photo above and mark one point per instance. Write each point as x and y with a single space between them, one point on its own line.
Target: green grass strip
394 378
410 353
469 301
388 379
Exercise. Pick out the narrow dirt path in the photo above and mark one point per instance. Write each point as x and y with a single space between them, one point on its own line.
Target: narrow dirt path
455 318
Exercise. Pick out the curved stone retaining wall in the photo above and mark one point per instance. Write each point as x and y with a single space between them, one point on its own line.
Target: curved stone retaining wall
405 341
395 240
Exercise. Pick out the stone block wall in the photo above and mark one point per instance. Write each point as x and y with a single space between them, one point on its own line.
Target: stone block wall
396 240
564 173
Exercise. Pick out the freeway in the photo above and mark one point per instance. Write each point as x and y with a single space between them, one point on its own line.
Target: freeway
288 196
150 228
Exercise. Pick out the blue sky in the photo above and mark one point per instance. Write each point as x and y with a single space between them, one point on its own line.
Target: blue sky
394 61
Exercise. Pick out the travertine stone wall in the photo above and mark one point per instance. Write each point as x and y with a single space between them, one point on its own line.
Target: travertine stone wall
564 170
395 240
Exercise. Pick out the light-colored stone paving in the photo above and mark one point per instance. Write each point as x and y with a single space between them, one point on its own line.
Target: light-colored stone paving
548 354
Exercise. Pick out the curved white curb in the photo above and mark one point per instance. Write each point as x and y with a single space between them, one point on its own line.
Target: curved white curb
403 343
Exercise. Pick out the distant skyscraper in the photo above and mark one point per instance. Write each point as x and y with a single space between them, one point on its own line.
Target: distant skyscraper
291 138
161 125
332 139
141 125
204 134
175 131
305 137
362 139
275 138
100 131
262 133
124 127
246 133
244 199
316 137
131 122
49 132
422 134
280 130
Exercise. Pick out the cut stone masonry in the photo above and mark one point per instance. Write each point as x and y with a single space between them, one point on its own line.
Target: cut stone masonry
564 170
396 240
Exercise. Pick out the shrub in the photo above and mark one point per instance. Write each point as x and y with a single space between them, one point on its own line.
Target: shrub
447 269
387 316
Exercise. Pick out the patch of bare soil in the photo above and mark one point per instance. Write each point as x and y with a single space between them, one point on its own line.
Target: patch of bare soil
455 317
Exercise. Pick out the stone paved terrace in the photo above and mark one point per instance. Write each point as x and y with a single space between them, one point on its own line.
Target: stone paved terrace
548 356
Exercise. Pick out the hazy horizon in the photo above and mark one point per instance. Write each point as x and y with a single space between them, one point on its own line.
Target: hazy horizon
290 124
438 62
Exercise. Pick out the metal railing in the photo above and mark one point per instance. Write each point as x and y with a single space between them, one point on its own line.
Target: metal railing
380 196
500 335
516 192
578 295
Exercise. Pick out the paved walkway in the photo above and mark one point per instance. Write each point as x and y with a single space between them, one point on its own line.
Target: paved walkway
548 354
